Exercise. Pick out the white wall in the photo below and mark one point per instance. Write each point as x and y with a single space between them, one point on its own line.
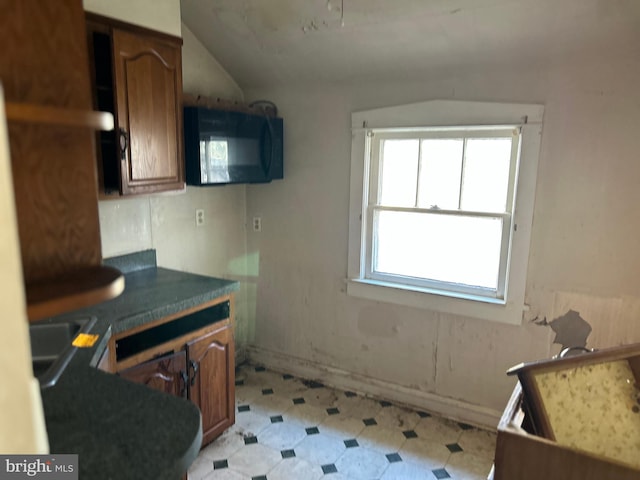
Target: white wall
22 428
585 252
202 74
166 222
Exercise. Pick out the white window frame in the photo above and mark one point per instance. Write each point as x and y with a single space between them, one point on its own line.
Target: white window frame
443 114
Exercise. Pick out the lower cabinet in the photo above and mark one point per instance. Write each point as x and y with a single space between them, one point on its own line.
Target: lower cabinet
167 374
191 356
212 383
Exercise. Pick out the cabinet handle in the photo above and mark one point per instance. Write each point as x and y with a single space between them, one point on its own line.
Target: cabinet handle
194 367
123 140
185 382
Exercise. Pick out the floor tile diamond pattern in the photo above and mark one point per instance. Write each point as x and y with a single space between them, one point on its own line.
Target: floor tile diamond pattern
295 429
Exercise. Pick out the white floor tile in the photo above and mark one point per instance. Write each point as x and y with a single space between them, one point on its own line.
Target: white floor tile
425 453
251 423
289 387
305 414
338 476
437 429
323 397
273 404
407 471
282 436
466 465
320 449
422 447
295 469
478 442
397 417
224 474
342 425
382 439
254 460
359 407
225 445
247 393
362 464
199 468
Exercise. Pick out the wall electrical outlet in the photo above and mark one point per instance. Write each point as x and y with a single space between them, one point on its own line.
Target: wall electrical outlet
257 224
199 217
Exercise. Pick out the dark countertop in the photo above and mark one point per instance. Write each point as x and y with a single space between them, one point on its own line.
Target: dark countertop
120 429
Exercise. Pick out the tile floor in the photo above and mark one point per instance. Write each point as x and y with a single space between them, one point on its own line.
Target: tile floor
292 429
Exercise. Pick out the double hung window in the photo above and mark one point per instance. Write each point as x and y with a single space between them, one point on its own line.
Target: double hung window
442 198
439 212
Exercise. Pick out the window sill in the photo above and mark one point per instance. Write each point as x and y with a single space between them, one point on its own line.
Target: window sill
440 301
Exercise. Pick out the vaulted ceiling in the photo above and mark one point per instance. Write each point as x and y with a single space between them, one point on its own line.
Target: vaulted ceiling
267 42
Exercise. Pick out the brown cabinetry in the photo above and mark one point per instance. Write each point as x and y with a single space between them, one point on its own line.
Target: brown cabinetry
137 75
45 75
190 354
167 374
212 385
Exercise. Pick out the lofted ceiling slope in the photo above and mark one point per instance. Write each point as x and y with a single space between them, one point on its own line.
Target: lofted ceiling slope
281 42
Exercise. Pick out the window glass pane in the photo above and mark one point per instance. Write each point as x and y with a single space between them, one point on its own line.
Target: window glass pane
440 173
398 172
486 174
450 248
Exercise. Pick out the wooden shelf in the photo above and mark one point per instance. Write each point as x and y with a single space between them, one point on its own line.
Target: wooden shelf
78 289
31 113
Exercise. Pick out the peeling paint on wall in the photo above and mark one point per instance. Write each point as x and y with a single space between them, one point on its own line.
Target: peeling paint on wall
571 329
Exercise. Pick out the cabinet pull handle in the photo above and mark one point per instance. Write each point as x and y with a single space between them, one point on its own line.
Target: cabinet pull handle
194 367
123 140
185 382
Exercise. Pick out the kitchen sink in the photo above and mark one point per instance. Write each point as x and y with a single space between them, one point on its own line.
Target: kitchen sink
52 349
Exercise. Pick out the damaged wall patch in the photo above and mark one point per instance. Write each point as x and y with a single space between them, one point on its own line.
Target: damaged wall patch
571 329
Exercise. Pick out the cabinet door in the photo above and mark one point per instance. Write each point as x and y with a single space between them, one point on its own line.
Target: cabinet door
212 381
44 63
167 374
148 82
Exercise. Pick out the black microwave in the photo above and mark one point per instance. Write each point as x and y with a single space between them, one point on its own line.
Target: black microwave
231 147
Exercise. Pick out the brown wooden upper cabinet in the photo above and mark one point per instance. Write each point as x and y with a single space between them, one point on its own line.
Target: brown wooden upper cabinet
51 124
137 75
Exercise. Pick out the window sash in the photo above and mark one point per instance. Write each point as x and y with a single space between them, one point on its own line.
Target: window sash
376 136
372 185
439 285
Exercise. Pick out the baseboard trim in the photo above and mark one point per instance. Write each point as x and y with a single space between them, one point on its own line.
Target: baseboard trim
240 355
344 380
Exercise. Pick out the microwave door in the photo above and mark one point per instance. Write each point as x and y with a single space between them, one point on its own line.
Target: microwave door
214 160
247 164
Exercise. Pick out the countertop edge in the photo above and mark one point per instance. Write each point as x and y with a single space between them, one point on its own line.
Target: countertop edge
116 316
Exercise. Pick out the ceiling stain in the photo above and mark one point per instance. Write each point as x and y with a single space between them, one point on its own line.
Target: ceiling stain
291 41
